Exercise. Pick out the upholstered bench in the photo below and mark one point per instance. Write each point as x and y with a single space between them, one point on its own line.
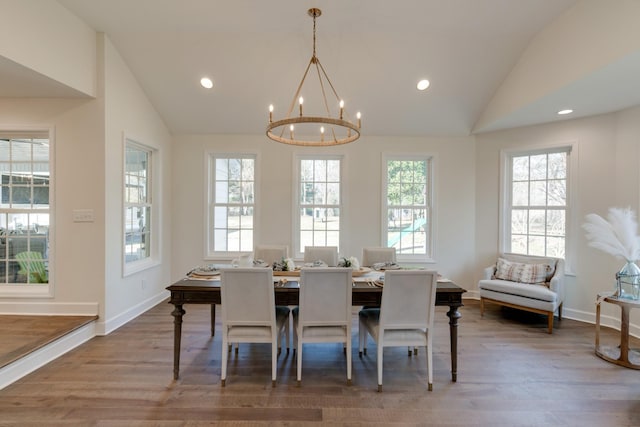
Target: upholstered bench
525 282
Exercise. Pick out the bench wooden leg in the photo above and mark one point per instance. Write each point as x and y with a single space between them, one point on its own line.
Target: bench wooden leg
550 322
481 307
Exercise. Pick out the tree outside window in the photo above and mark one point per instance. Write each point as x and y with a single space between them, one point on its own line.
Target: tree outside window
408 205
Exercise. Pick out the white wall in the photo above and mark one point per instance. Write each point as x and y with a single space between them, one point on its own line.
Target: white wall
607 176
454 190
128 111
45 37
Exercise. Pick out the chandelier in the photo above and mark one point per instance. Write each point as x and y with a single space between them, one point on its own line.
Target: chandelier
320 128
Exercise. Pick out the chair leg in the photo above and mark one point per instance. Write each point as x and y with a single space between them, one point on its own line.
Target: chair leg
299 364
481 307
274 362
429 364
225 353
379 364
348 343
550 322
560 312
360 344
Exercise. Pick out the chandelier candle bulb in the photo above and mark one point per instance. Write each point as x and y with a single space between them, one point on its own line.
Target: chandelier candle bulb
271 113
301 100
359 116
321 133
291 131
341 108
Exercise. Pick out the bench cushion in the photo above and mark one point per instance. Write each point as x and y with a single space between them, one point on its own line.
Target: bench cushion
526 290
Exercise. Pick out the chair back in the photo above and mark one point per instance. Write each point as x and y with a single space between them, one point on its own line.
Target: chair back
325 296
270 253
408 299
375 255
32 264
247 297
328 254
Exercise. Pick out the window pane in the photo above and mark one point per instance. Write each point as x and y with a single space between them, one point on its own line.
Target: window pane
519 222
556 223
520 194
520 170
538 167
233 206
539 192
557 165
319 201
138 225
557 192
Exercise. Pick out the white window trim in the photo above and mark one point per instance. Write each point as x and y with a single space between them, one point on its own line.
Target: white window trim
154 258
208 198
573 223
431 185
295 231
37 290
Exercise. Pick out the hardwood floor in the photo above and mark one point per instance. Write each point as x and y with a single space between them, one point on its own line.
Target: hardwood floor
20 335
510 373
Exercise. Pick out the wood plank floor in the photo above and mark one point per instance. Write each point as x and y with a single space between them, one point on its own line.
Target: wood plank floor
20 335
510 373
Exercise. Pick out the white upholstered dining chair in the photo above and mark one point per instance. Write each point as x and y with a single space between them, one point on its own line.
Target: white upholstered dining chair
324 313
249 313
270 253
375 255
328 254
405 317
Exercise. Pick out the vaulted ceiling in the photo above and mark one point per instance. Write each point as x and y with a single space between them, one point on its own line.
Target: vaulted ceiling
492 64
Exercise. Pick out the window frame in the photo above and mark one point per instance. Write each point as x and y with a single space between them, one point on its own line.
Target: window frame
429 256
209 209
132 267
297 206
36 290
504 228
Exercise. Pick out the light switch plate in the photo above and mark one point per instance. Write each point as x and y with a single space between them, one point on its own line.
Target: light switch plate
83 215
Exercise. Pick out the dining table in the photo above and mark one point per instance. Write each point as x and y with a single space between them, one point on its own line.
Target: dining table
367 291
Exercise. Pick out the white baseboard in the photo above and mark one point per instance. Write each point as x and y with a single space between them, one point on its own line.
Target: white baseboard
33 308
109 325
25 365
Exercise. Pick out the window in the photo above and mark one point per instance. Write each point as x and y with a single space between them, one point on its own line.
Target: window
536 197
25 190
319 202
231 203
138 203
407 206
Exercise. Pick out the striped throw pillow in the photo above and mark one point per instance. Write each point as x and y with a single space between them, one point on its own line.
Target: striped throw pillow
521 272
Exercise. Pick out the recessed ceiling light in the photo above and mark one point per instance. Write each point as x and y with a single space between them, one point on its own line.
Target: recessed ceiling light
206 82
423 84
563 112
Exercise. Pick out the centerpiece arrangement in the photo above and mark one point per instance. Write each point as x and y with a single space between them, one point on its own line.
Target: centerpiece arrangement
349 262
285 264
618 237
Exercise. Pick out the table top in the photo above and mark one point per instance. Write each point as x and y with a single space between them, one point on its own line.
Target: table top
611 297
363 283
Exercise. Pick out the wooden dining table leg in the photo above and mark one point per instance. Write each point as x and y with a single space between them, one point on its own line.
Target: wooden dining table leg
454 315
177 314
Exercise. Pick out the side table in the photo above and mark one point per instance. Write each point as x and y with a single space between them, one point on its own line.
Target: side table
621 355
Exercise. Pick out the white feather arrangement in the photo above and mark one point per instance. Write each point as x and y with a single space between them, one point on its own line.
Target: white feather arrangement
618 236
